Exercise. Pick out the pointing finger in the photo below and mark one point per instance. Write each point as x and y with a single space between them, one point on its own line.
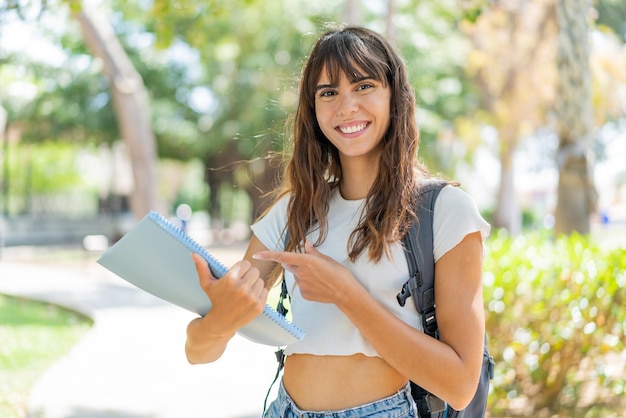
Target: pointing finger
277 256
309 248
287 260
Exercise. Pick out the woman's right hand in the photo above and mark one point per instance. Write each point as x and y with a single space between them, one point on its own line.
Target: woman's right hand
236 298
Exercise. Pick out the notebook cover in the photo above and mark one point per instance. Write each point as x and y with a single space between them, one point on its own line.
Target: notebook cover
155 256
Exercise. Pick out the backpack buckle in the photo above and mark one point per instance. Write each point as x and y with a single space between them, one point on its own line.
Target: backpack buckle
410 287
434 403
404 294
429 321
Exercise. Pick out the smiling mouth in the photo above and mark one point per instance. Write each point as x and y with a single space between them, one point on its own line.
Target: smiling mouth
353 129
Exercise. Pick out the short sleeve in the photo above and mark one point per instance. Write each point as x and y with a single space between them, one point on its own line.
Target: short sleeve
270 228
456 215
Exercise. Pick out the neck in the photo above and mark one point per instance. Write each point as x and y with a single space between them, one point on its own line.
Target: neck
357 178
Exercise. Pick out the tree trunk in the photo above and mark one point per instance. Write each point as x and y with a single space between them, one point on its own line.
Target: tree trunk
507 214
132 108
219 168
390 28
576 193
513 52
351 14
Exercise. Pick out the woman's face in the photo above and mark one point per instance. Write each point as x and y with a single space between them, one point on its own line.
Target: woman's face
353 115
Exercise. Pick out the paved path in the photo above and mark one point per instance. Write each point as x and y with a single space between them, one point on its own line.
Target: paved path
131 364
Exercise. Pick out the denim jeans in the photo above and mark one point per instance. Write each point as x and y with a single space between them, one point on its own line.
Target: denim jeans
399 405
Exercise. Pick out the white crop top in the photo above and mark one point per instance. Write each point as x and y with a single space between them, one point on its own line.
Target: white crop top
328 330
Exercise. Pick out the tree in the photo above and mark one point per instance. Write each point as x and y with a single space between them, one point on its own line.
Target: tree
576 192
511 63
249 73
351 13
126 88
132 108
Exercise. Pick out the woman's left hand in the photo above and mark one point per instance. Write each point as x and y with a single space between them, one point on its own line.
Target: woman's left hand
319 277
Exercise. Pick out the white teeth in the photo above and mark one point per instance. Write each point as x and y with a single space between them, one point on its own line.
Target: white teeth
353 129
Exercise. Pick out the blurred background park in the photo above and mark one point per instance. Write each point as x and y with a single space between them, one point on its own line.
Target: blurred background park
110 108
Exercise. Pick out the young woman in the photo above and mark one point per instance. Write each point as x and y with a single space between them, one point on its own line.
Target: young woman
346 203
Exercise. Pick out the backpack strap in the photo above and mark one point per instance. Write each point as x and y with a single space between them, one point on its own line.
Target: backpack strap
282 310
418 249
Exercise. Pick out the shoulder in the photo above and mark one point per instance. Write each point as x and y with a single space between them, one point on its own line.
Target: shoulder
456 215
270 226
451 196
279 205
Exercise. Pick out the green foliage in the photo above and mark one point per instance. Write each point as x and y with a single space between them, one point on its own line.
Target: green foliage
193 191
33 336
72 101
612 13
221 75
49 101
44 172
243 58
556 322
435 56
44 168
72 104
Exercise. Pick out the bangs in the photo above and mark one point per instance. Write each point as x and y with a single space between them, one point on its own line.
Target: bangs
346 53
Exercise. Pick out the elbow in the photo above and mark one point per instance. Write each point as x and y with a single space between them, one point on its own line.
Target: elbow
459 396
463 395
202 355
201 347
459 403
192 358
193 361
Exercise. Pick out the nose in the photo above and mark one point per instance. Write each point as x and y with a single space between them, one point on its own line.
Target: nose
347 105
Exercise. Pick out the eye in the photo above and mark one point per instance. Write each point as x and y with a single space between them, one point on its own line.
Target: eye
365 86
327 93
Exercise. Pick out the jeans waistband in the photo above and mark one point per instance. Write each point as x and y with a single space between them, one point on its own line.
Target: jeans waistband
400 404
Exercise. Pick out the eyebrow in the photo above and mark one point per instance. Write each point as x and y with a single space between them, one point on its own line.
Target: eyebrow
323 86
353 81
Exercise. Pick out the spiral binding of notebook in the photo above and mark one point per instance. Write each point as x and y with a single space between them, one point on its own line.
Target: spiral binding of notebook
217 268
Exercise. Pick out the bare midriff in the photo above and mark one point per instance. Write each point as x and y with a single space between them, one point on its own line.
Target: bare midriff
321 383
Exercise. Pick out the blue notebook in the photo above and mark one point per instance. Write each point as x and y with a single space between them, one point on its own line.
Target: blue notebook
155 256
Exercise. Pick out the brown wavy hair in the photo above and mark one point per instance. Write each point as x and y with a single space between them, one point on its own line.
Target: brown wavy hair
314 169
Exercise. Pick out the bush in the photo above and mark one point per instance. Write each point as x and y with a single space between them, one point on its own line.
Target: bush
556 324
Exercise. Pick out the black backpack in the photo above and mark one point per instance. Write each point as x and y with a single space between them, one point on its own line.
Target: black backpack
418 249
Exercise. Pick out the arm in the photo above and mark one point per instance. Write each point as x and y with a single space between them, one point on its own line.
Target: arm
244 283
449 367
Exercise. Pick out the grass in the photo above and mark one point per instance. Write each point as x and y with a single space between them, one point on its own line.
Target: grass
33 335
